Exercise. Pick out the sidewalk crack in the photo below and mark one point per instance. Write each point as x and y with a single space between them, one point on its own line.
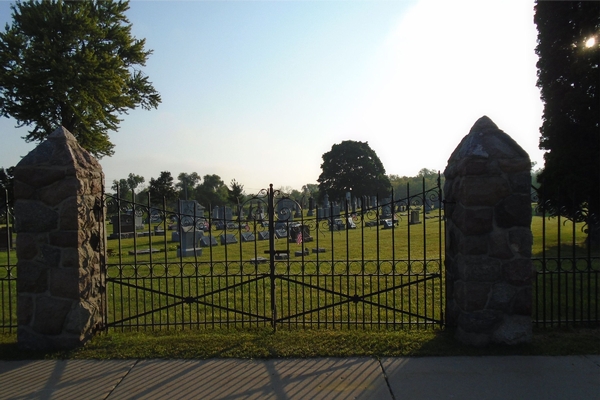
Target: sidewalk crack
387 382
121 380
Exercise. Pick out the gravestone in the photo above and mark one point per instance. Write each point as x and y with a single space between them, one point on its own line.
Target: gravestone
337 225
190 242
298 213
373 203
322 213
223 214
247 237
228 214
280 233
192 213
219 225
303 230
386 209
206 241
232 225
260 213
311 206
228 238
335 211
285 209
414 217
300 253
326 201
125 223
263 235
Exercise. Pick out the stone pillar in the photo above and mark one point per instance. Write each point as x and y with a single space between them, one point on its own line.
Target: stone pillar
59 218
488 238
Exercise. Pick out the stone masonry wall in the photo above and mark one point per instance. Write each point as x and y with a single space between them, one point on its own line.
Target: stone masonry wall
488 238
60 234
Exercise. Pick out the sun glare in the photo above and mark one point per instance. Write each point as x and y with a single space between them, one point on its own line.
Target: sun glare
590 42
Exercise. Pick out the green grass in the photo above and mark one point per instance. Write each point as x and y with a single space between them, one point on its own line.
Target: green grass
263 344
370 243
356 261
253 341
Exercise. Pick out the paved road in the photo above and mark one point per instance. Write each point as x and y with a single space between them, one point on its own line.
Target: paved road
510 377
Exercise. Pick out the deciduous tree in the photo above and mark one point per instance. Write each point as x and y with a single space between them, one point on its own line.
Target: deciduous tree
75 64
352 166
187 183
212 191
162 187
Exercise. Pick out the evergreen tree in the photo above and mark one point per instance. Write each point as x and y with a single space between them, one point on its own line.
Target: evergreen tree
75 64
569 77
236 193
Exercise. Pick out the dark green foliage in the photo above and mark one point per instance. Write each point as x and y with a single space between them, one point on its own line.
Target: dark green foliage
352 166
126 187
236 193
212 191
75 64
120 186
162 187
569 77
405 186
187 183
133 181
310 190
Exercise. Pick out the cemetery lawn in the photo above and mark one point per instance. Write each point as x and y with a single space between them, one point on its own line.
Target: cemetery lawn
263 344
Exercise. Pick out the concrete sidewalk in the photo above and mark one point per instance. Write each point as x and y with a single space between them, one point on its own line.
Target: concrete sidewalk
510 377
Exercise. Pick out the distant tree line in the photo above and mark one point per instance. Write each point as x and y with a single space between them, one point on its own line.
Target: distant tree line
209 190
405 186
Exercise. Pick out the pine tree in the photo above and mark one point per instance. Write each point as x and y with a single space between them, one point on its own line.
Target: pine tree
569 77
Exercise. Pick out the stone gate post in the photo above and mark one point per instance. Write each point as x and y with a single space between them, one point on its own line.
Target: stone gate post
59 220
488 238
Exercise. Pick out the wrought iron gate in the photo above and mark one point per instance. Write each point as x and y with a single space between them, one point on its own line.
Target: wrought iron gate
356 264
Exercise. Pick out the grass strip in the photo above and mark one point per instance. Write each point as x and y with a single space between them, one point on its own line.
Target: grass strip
263 344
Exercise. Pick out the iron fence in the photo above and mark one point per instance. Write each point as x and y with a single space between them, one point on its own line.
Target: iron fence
8 270
567 266
369 265
360 263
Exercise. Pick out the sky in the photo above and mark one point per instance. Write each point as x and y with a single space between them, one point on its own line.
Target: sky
258 91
